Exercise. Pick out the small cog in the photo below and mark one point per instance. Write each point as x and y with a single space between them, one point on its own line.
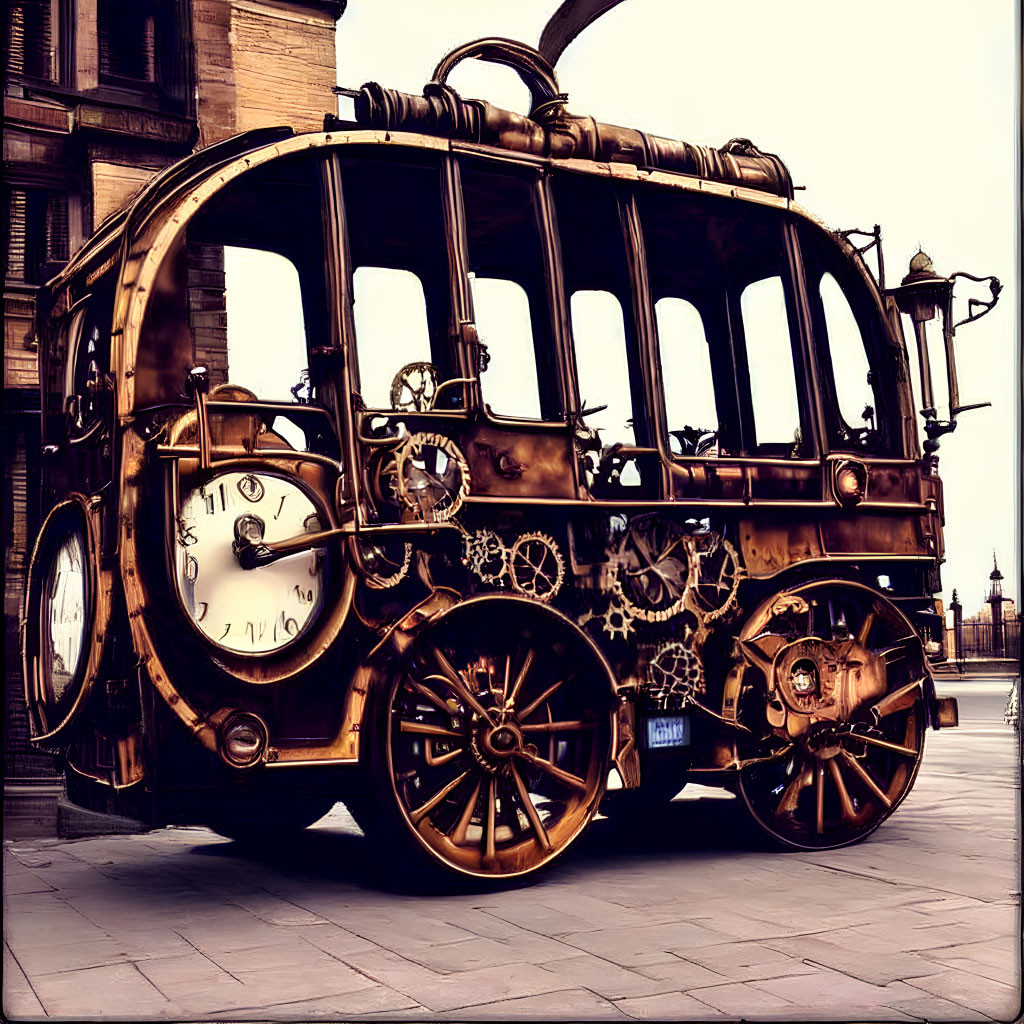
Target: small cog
617 620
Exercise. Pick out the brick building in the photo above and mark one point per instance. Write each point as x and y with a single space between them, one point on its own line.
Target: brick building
99 95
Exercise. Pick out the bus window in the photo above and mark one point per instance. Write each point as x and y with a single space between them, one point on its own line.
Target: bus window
398 252
390 312
598 285
508 278
770 363
266 343
602 364
502 313
692 418
860 403
850 369
256 298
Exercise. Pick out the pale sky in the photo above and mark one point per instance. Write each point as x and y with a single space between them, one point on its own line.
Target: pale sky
900 112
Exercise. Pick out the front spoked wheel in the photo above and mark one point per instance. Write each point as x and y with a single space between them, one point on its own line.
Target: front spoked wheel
497 736
847 711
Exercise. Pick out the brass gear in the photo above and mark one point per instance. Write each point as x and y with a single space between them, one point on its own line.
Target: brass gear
536 567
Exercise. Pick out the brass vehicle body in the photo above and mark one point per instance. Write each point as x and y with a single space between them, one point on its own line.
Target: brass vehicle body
503 607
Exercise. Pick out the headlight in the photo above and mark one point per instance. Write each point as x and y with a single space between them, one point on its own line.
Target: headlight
254 611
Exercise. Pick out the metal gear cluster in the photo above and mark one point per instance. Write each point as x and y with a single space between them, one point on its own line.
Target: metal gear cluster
534 564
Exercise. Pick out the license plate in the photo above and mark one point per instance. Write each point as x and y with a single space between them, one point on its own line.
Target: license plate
668 731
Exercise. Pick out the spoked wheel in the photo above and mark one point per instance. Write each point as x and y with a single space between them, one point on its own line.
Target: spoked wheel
496 738
847 711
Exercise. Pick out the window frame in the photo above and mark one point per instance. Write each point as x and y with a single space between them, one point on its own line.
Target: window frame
823 256
458 302
555 304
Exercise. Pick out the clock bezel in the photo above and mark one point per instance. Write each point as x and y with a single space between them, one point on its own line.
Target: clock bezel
50 717
297 654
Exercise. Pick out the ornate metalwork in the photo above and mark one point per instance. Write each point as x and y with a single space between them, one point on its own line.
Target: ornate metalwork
431 476
536 567
675 675
414 387
486 555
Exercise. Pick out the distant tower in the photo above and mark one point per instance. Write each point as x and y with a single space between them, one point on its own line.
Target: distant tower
995 600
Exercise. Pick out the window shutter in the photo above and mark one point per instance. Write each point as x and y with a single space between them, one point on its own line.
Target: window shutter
17 208
30 39
57 247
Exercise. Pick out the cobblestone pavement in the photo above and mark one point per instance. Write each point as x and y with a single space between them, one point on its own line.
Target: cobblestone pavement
919 922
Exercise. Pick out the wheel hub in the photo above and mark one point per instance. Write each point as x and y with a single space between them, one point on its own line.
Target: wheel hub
493 745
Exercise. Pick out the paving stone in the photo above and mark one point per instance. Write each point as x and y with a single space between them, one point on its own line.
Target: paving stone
42 919
19 1001
409 931
743 1000
546 920
192 978
118 991
333 939
827 988
614 982
276 911
934 1008
71 956
569 1004
20 883
670 1006
477 952
471 988
682 974
878 968
991 997
633 947
393 969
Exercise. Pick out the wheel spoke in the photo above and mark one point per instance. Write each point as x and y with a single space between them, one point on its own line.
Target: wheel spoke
428 694
791 795
820 793
459 688
508 674
865 627
899 648
459 833
426 729
546 695
491 825
558 726
845 803
440 759
899 700
896 748
865 776
553 770
422 811
531 812
520 678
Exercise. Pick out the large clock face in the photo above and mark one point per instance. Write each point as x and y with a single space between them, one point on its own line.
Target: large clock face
63 615
249 611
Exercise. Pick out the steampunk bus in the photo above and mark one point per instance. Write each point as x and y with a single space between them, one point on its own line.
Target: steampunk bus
593 456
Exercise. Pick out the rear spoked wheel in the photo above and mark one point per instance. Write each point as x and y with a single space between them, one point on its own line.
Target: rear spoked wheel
847 711
496 739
